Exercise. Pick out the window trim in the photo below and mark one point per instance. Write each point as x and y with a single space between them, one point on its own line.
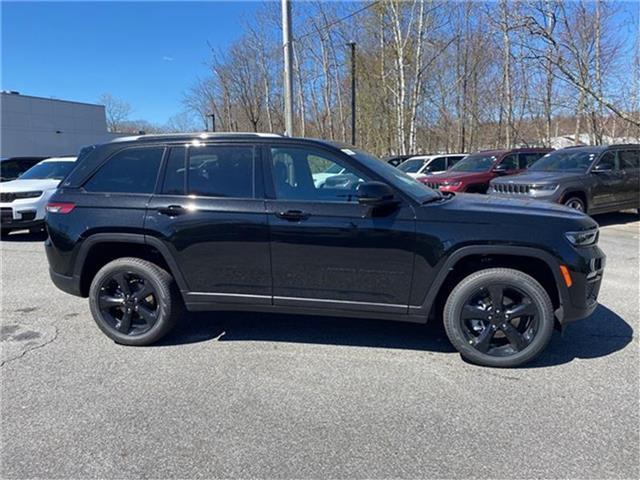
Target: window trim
117 152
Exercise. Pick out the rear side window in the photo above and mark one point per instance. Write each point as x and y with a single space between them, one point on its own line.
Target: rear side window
221 171
629 158
133 170
175 176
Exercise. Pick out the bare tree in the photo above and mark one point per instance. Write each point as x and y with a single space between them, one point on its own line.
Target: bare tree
117 112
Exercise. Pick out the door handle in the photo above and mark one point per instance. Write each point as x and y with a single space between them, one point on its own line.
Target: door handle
172 210
293 215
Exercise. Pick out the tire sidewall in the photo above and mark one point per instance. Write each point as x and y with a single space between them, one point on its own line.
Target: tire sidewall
150 273
575 199
483 278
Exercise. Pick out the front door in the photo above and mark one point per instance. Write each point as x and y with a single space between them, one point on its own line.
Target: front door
326 249
210 215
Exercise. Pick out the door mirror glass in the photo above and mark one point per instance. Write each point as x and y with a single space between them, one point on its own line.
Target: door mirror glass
376 194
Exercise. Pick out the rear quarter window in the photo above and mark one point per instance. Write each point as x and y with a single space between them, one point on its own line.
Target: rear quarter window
133 170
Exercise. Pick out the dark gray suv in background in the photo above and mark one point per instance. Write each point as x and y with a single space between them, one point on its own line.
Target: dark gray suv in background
594 179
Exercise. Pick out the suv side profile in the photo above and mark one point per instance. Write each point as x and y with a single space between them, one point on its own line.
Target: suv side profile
146 226
473 173
595 180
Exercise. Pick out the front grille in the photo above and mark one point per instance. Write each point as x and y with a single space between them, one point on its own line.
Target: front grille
434 185
517 188
7 197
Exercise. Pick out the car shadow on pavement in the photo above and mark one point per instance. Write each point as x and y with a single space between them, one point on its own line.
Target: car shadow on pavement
599 335
266 327
602 334
616 218
25 236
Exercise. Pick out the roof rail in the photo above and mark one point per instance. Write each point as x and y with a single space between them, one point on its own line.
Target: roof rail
194 135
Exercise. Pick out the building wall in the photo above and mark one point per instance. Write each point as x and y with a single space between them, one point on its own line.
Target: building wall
43 126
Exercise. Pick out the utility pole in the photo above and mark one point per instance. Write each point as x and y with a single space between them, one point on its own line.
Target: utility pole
353 92
213 121
288 74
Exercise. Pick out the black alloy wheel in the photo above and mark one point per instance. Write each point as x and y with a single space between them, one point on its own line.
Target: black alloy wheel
499 320
128 303
134 301
499 317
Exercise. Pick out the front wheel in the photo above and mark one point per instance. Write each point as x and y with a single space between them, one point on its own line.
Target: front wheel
576 203
134 302
499 317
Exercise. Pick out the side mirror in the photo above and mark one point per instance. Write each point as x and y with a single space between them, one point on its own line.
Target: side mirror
501 168
602 168
376 194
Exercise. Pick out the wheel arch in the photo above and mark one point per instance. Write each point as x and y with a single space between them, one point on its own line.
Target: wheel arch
537 263
99 249
576 192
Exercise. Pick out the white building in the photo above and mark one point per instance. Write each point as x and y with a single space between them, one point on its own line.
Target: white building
44 126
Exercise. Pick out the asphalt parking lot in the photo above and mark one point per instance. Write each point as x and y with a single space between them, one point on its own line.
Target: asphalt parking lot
256 395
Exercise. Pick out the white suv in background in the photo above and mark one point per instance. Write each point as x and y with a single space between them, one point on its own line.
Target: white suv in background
421 165
22 201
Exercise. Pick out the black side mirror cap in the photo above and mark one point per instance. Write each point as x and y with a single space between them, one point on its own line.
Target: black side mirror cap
376 194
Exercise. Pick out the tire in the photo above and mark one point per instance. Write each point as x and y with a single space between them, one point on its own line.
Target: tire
576 203
108 300
513 340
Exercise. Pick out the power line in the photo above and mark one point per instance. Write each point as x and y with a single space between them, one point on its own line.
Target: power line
339 20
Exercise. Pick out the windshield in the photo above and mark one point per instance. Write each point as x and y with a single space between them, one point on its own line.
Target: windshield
474 163
395 177
48 170
564 161
411 166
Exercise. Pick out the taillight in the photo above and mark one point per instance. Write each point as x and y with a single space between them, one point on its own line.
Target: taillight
59 207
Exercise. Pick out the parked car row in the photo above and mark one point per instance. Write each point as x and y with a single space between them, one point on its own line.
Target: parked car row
591 179
23 199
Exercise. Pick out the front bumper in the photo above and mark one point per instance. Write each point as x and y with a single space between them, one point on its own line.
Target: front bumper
581 298
25 213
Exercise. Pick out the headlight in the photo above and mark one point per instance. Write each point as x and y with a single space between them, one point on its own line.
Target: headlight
19 195
450 184
584 238
544 188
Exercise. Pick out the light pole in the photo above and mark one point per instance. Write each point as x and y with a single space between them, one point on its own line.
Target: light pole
288 74
353 92
213 121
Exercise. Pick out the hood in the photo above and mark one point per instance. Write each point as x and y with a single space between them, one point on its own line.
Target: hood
496 209
28 185
538 177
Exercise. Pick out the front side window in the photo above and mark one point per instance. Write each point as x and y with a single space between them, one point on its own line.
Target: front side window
133 170
527 159
510 162
221 171
453 160
301 174
608 160
438 164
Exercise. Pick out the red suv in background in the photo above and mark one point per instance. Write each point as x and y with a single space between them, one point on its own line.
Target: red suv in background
473 173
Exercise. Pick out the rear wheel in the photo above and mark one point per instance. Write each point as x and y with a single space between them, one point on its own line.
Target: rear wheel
499 317
134 302
576 203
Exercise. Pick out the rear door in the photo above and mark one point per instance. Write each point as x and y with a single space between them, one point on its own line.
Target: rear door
210 215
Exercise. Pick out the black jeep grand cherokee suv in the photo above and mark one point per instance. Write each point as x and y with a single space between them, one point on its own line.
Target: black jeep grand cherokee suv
146 225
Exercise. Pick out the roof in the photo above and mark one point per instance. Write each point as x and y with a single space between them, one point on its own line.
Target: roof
20 95
60 159
192 136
